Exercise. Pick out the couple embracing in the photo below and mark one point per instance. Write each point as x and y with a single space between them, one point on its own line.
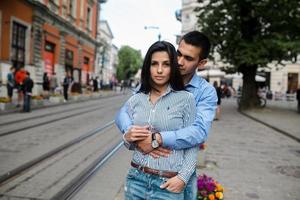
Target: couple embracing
167 119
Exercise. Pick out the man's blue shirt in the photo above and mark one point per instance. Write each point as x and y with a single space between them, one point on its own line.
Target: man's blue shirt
206 102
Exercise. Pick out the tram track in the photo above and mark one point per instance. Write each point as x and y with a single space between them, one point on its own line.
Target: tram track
46 121
12 173
79 182
9 181
49 121
55 113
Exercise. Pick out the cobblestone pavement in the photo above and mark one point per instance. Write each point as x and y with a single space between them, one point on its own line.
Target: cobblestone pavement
251 160
281 115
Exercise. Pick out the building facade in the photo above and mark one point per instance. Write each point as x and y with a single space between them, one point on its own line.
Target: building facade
49 36
107 55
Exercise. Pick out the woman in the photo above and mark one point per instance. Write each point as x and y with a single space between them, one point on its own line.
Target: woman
161 104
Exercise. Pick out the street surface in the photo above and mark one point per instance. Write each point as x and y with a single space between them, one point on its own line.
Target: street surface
250 160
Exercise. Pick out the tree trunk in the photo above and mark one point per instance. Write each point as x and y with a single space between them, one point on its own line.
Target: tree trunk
249 97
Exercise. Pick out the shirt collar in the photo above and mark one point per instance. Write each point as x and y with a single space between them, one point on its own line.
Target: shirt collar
168 90
194 82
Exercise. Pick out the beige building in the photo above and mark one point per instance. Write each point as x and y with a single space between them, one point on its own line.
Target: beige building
284 79
107 55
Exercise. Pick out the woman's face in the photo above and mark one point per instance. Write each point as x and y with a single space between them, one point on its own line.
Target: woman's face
160 69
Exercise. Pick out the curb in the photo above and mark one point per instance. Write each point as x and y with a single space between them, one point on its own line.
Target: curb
271 126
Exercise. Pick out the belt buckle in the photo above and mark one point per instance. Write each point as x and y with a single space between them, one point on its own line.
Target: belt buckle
141 168
160 173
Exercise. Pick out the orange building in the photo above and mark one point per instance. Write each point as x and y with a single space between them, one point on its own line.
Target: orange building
49 36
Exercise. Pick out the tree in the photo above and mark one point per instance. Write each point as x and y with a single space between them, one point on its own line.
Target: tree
251 33
130 60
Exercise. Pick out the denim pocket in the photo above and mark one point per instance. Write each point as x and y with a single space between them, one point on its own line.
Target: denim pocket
133 173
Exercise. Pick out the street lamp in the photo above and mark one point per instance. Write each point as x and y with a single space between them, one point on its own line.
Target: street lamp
154 27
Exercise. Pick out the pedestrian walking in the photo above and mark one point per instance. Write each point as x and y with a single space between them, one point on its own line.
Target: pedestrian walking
46 85
27 91
10 83
20 76
53 83
66 85
95 84
298 98
192 55
219 95
161 86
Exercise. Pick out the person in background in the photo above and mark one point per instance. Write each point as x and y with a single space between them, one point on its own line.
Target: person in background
10 83
27 91
219 94
66 84
53 83
19 79
95 84
298 98
46 85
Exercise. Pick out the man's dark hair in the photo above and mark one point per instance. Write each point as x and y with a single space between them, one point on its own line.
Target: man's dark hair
198 39
175 80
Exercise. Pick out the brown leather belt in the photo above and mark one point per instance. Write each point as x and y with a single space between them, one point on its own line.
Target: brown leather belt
148 170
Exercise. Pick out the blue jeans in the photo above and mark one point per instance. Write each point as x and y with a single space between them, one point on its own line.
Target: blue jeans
190 192
142 186
26 104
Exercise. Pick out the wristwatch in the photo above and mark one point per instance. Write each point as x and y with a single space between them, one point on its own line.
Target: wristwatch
154 142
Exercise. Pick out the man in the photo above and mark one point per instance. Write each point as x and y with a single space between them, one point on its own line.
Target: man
192 52
27 91
10 83
66 84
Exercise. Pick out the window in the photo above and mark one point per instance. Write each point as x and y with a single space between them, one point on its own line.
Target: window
72 7
18 45
88 18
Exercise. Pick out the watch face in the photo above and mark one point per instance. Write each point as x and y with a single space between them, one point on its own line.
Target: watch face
155 144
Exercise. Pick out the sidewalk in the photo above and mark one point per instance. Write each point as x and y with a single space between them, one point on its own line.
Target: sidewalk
251 160
57 100
281 116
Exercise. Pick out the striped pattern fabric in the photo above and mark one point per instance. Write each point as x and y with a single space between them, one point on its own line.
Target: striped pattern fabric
172 111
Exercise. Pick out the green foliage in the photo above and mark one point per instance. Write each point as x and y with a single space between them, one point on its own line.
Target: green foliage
130 60
252 32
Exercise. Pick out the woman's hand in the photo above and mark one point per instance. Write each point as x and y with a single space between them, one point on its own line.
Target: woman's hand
174 184
137 133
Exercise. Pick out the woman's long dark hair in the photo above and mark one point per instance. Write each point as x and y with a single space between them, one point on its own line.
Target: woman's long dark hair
175 80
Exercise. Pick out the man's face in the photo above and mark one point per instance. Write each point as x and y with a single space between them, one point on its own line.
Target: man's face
189 60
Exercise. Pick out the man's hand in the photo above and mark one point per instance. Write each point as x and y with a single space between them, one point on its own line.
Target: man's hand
174 184
145 146
160 152
137 133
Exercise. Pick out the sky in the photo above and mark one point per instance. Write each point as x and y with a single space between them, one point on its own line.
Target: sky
127 19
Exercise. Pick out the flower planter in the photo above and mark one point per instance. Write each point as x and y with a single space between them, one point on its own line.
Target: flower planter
7 106
36 102
55 99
